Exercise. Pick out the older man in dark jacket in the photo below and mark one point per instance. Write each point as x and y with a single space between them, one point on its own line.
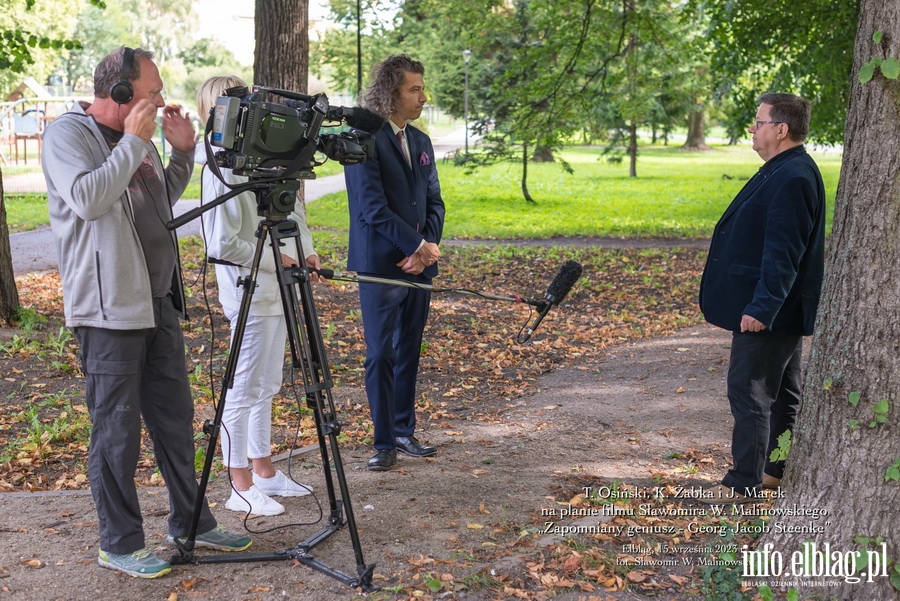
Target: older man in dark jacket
762 281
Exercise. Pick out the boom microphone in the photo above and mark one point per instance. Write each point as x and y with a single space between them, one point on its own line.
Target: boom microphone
357 118
559 288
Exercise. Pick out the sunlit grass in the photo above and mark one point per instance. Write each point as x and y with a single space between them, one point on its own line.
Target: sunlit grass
26 211
676 194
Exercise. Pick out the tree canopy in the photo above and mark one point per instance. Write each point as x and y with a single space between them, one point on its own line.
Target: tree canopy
801 47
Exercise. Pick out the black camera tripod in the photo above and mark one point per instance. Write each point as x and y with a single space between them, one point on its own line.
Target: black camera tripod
275 200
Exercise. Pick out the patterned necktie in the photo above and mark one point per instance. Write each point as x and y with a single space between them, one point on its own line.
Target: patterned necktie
402 147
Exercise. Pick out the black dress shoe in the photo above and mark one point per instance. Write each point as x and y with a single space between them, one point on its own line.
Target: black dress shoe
412 447
383 460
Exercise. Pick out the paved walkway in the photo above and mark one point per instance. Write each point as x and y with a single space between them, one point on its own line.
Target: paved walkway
34 250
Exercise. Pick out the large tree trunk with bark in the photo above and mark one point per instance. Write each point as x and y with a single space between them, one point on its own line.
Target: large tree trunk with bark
847 435
282 44
9 296
281 57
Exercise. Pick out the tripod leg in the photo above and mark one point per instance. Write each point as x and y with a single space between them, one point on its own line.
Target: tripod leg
309 357
212 428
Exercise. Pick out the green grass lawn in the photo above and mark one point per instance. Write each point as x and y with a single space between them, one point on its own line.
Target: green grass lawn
25 211
676 194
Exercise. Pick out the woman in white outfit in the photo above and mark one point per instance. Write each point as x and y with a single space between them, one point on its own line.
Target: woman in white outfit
230 235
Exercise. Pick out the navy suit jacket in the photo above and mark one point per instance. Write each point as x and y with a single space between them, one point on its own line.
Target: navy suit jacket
393 206
767 254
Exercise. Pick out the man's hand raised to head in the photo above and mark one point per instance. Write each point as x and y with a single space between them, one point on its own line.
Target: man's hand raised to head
177 128
141 120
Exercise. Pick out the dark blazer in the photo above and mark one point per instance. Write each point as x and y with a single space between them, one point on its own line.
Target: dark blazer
393 207
766 257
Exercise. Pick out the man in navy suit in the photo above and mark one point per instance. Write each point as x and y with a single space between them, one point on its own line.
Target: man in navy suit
762 281
396 221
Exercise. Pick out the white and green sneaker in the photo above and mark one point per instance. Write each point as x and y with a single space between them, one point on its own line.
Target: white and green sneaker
218 538
140 564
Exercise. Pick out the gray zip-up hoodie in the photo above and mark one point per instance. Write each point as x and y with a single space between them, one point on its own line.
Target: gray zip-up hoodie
105 279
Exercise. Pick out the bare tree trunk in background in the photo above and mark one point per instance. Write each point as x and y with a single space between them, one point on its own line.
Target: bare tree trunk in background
9 296
281 58
542 154
282 44
847 435
525 192
632 150
696 136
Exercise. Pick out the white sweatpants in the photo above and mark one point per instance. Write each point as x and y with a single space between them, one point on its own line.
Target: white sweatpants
247 416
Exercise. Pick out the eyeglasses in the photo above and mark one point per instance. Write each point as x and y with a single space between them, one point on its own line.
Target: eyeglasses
761 123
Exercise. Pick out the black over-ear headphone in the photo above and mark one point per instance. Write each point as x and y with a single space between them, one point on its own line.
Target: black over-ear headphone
122 91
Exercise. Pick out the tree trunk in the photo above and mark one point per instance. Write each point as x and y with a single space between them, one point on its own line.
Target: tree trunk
696 136
836 465
9 296
542 154
525 193
281 57
632 150
282 44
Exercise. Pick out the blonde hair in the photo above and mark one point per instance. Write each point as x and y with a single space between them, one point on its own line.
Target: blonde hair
211 89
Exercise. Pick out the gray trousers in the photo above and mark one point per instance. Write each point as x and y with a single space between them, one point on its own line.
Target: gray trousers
129 374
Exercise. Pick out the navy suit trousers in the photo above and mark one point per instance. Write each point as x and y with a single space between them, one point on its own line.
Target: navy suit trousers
394 320
764 381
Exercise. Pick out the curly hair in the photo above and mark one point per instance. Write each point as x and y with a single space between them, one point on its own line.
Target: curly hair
109 69
387 76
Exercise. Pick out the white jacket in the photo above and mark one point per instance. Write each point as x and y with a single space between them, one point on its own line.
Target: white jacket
229 232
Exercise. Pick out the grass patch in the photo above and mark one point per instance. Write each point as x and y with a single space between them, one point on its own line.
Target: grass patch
676 194
25 211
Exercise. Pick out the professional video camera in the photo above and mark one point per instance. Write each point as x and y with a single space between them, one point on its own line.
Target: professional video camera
266 139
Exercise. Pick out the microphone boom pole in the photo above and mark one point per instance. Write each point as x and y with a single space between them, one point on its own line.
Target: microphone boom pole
566 278
331 274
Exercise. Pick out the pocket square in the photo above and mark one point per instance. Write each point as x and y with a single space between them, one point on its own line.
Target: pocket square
424 159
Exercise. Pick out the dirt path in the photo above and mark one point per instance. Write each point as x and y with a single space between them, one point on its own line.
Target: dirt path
634 415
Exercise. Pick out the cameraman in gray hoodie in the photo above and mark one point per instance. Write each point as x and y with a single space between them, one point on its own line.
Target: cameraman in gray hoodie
110 199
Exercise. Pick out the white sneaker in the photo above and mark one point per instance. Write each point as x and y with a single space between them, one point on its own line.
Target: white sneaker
280 485
253 501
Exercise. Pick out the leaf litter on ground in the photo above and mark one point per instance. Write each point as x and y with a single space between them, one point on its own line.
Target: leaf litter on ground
472 369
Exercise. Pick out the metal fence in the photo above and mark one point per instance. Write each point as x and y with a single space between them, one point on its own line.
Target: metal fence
22 122
20 149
